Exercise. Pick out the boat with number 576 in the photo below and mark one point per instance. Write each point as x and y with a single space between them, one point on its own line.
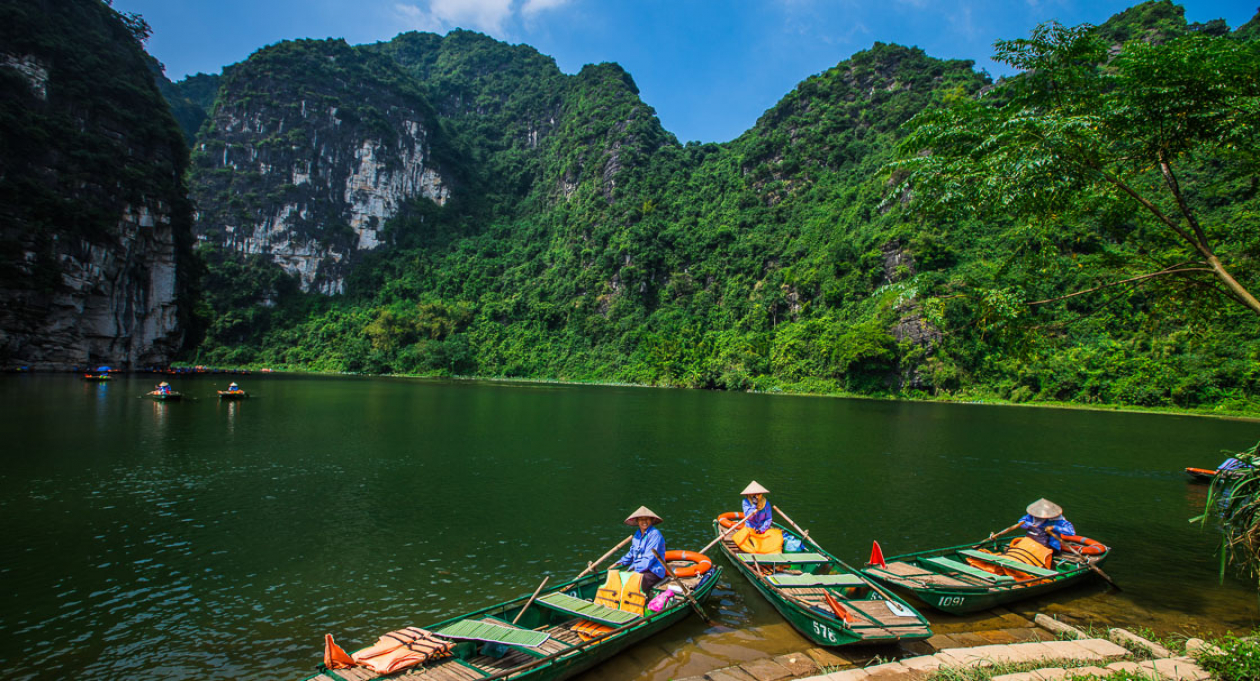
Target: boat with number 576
824 598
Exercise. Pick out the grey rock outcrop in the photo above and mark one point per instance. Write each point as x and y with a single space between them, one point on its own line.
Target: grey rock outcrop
95 240
309 173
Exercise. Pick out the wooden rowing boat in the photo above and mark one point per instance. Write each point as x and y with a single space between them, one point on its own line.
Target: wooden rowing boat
943 579
1208 474
541 645
165 397
97 377
828 601
232 394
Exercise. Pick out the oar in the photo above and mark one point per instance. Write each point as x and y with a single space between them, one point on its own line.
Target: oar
804 533
725 533
1088 564
686 592
531 599
1006 531
604 557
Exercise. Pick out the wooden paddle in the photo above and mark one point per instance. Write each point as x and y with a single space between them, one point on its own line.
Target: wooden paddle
531 599
804 533
604 557
725 533
1088 564
1006 531
686 592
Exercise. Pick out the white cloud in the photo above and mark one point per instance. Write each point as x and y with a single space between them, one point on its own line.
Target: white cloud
535 6
439 15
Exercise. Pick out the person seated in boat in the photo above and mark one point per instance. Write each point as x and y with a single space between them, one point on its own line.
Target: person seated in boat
644 547
163 388
233 388
1232 464
1044 523
758 535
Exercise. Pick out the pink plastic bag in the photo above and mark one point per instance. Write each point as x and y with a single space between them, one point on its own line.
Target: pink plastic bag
662 599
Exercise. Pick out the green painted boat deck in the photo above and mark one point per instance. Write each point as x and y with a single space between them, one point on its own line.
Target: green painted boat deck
591 611
783 558
486 630
815 580
967 569
1009 562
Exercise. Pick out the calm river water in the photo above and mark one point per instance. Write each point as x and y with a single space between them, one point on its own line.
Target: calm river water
222 540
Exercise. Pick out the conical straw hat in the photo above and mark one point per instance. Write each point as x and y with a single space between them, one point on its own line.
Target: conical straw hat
643 512
1045 509
754 487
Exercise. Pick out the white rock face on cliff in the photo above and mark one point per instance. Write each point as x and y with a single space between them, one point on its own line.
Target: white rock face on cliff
114 302
312 148
359 183
374 191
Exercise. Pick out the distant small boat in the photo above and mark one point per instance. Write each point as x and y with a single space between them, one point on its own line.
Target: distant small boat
165 397
947 581
232 394
97 377
1208 474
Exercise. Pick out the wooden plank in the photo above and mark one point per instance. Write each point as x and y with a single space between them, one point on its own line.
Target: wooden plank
586 609
879 612
967 569
783 558
807 580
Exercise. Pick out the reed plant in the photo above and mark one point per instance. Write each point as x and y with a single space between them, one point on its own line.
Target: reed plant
1237 506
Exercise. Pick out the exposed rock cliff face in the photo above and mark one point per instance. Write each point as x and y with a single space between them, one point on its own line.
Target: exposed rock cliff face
313 147
94 223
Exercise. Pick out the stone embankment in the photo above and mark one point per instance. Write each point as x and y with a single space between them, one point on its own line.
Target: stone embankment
1049 650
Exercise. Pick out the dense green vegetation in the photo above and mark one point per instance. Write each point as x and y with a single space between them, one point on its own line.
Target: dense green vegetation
586 243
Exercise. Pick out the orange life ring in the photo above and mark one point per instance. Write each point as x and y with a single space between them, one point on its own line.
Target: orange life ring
1087 546
728 520
702 564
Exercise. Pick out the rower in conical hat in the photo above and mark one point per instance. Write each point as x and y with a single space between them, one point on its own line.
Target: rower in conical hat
1044 523
648 542
758 535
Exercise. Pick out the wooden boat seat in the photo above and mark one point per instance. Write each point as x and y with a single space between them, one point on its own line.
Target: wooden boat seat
808 580
1009 562
967 569
906 573
586 609
783 558
493 631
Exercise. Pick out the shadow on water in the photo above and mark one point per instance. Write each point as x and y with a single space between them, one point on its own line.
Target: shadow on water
220 540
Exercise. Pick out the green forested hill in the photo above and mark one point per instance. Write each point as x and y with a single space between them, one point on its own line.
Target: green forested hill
584 242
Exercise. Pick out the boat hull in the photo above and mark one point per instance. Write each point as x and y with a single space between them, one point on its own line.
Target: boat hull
821 626
963 600
577 659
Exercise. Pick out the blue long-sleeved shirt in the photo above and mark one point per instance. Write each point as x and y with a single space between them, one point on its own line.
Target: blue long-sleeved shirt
759 521
640 557
1060 525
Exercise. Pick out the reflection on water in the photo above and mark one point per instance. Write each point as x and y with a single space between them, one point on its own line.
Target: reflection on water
216 540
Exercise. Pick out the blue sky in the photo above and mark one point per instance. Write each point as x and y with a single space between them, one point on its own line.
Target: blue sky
709 68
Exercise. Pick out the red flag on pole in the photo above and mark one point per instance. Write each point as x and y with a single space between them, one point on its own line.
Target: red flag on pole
877 555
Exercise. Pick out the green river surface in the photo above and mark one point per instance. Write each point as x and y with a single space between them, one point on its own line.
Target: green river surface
222 540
